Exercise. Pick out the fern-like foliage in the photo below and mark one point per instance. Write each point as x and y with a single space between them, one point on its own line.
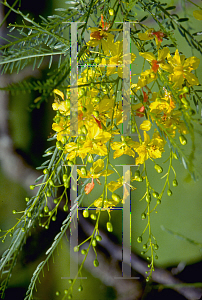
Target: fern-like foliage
33 42
20 232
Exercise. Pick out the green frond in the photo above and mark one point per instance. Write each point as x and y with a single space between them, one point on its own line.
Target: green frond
50 251
21 231
37 41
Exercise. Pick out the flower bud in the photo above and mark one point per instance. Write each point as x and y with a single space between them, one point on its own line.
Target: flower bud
46 209
93 216
65 177
83 171
80 288
143 216
116 197
111 11
65 207
76 249
64 140
185 90
139 239
158 201
175 183
155 194
45 171
81 92
109 227
169 192
144 246
94 243
59 145
148 197
98 238
183 139
97 60
96 263
158 168
86 213
90 158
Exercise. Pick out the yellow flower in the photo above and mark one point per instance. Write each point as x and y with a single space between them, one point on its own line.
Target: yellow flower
124 147
151 34
145 78
182 69
118 58
101 38
160 61
162 104
150 148
172 122
95 142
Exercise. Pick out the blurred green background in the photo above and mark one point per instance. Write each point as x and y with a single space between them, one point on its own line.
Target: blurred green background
181 212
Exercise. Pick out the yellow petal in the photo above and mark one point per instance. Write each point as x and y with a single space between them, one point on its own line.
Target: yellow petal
57 92
147 55
106 172
116 145
113 185
103 62
117 48
118 153
71 146
192 62
55 106
146 138
136 106
166 67
93 43
128 58
162 54
105 47
191 78
57 127
98 202
146 125
145 36
129 152
155 153
111 70
98 166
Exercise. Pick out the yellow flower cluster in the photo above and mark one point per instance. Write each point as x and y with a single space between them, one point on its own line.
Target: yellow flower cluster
178 67
158 93
100 114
